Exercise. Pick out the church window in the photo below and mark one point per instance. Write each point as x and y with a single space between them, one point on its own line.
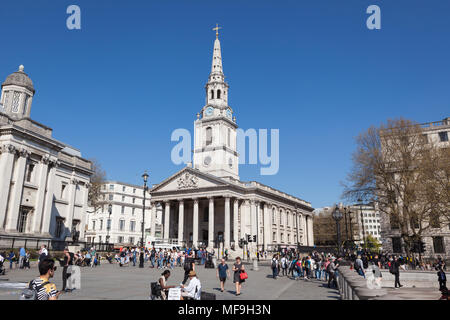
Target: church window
60 226
22 222
212 94
208 136
30 172
218 94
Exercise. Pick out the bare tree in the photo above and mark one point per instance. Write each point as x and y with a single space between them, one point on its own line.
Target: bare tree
397 167
97 180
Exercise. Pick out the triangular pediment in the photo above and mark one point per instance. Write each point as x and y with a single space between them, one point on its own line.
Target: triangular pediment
188 179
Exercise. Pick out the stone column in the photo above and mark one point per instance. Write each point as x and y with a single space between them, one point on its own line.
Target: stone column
166 220
6 169
277 221
180 221
86 188
211 223
305 224
48 205
253 222
69 215
16 195
40 195
195 224
153 220
227 233
267 226
236 223
310 231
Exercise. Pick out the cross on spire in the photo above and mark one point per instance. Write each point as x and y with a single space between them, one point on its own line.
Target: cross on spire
217 30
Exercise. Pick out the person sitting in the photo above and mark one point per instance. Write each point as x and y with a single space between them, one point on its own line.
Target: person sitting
193 290
163 283
109 258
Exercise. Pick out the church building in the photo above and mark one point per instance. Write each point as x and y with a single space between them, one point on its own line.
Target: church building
206 204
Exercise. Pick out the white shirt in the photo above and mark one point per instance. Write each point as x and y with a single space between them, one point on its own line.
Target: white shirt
193 284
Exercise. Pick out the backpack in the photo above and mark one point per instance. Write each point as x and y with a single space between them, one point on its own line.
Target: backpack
274 264
31 293
391 268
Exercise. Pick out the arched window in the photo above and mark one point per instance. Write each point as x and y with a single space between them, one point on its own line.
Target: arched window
281 217
208 136
218 94
212 94
273 216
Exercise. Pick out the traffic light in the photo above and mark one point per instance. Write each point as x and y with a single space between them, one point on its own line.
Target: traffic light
421 246
249 238
254 238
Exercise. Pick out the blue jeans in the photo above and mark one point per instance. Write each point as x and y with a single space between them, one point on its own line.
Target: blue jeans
152 260
318 273
361 273
171 263
274 273
326 275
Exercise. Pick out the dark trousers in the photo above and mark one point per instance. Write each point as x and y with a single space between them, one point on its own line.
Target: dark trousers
64 278
397 279
284 273
332 279
442 284
274 273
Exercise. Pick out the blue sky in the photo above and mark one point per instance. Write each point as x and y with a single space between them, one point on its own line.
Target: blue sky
117 88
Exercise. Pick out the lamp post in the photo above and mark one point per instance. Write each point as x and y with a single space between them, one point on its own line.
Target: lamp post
145 177
362 223
337 216
108 224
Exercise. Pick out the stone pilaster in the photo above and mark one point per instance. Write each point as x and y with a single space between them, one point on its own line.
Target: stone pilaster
153 220
267 226
40 196
236 222
48 204
70 209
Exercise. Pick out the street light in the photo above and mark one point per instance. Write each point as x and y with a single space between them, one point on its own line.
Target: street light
145 177
360 202
108 223
337 216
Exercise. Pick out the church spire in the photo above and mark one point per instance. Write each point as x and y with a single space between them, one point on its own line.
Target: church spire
217 88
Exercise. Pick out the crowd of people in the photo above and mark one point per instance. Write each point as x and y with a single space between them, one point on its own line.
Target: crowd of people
318 266
287 263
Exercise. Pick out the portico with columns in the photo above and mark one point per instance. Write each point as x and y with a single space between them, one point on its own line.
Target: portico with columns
43 182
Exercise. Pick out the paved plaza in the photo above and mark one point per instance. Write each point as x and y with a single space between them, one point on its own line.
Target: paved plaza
113 282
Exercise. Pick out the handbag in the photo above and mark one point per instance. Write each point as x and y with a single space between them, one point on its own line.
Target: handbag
243 275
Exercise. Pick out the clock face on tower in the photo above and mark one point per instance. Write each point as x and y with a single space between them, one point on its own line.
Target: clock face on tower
228 113
209 111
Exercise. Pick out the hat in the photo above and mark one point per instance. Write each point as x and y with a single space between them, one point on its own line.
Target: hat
192 273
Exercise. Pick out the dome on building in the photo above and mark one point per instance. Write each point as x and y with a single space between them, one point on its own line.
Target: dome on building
19 78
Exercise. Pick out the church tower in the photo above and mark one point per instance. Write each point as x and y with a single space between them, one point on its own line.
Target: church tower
215 127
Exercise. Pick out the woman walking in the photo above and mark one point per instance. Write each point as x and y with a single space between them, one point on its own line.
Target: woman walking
238 267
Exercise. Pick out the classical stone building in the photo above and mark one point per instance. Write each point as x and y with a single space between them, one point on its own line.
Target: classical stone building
206 203
123 225
437 237
43 182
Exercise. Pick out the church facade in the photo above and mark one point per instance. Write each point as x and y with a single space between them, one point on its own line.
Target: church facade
206 204
43 182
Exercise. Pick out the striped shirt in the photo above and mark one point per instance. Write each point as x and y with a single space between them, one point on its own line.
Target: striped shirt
45 292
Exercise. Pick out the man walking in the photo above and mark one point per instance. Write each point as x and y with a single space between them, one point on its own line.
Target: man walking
67 261
395 270
359 266
22 256
222 273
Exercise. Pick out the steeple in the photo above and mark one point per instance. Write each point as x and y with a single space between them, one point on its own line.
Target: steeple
217 88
